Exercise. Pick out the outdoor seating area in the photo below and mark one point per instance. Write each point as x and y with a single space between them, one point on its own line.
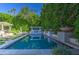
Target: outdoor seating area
5 29
5 32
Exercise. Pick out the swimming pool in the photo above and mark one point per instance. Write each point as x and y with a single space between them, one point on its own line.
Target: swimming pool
27 43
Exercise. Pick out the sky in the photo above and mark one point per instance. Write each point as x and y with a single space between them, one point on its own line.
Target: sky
4 7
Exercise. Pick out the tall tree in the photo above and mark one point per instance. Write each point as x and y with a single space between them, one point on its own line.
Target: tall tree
27 18
12 11
58 15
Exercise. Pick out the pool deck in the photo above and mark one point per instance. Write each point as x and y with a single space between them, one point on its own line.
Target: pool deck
25 52
11 42
4 51
54 37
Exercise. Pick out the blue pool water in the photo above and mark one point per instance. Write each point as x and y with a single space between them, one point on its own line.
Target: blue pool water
27 43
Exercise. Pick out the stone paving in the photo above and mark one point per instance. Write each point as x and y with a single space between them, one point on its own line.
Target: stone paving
10 42
25 51
4 51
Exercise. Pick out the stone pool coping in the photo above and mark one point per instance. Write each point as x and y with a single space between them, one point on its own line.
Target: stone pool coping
26 51
54 37
7 43
4 51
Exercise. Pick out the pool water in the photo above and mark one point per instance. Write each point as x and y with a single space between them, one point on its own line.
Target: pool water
36 43
27 43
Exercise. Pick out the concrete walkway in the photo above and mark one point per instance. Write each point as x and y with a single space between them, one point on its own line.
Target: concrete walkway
25 52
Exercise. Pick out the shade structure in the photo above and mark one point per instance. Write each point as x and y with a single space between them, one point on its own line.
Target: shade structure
5 24
4 32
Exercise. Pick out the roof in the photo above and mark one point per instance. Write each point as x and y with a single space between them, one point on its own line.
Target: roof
5 24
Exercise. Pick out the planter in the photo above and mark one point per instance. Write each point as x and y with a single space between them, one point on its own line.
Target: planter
66 29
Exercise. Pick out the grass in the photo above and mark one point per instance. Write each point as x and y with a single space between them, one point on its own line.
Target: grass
2 40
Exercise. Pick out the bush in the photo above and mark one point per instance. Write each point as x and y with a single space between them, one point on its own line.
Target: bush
61 51
2 40
76 31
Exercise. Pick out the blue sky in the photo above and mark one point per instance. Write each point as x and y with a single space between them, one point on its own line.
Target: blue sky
7 6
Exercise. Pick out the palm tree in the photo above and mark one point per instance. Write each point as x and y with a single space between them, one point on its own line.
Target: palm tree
12 11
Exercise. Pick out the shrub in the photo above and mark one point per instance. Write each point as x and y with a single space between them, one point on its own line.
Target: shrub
61 51
76 25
